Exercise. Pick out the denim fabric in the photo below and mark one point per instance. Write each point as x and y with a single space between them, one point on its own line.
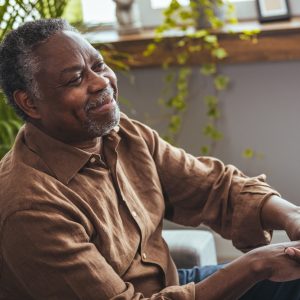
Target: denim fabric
264 290
196 274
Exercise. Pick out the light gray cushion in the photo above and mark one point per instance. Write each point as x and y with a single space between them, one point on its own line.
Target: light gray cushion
191 248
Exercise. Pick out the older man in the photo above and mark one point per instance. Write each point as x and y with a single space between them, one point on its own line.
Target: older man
84 191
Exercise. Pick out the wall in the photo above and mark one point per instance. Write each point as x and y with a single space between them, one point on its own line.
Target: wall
261 111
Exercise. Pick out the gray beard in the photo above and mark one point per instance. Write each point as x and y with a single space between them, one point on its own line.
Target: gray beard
99 128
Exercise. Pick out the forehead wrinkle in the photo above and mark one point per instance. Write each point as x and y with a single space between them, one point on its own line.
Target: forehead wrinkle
71 69
82 44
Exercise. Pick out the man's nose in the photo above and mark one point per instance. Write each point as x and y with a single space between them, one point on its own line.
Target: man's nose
97 82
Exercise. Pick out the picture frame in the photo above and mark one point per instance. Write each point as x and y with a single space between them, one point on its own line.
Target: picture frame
273 10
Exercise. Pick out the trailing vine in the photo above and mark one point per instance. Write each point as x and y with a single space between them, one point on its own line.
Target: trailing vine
198 24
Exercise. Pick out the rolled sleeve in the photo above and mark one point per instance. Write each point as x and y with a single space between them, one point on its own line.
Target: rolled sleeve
247 214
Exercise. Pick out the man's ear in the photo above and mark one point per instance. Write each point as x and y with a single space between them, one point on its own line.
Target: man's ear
27 104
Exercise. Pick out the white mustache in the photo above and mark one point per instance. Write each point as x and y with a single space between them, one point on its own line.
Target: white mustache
105 95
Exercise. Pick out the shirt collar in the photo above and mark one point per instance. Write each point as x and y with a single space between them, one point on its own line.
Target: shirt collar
63 160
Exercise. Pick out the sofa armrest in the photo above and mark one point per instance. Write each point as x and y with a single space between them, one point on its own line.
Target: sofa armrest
191 248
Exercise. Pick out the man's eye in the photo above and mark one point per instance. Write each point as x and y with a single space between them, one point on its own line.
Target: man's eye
99 67
75 80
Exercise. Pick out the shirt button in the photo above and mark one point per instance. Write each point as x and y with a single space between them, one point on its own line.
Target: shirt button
144 256
134 214
93 159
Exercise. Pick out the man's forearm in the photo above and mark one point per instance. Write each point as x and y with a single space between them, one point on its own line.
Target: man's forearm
232 281
276 213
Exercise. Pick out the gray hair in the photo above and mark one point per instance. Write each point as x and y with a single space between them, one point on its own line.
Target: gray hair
18 64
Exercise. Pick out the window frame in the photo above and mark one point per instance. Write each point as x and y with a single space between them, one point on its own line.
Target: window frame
245 10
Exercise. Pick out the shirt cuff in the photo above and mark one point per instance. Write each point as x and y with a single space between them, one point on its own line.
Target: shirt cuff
247 231
183 292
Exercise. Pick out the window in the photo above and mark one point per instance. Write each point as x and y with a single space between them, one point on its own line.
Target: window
151 10
103 11
98 11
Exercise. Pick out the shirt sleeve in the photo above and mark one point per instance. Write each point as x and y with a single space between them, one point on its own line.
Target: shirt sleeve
205 190
50 257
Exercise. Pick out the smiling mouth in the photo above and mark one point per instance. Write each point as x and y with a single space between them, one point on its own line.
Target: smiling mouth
105 105
104 102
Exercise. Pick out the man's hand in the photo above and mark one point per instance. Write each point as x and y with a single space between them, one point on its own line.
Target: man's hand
279 214
276 262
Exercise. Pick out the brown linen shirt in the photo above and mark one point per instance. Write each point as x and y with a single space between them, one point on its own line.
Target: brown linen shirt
72 227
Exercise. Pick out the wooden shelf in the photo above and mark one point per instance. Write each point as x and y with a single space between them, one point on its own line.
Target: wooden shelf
278 41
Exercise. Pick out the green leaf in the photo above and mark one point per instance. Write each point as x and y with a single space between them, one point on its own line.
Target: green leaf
214 113
248 153
181 43
6 132
184 73
177 102
221 82
198 34
175 123
169 78
170 22
212 104
208 69
211 39
160 29
232 21
73 12
205 150
220 53
211 100
150 50
208 129
251 32
182 58
217 135
211 131
216 22
194 48
166 63
185 15
174 5
250 35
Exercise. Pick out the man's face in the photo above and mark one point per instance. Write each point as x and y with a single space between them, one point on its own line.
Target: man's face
78 92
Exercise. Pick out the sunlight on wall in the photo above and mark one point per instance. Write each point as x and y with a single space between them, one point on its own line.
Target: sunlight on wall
157 4
95 11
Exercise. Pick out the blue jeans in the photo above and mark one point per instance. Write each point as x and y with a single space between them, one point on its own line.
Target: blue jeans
264 290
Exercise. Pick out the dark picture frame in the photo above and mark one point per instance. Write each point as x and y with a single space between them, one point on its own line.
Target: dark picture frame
273 10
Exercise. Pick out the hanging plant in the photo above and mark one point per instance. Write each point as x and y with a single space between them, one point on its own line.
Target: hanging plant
198 24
